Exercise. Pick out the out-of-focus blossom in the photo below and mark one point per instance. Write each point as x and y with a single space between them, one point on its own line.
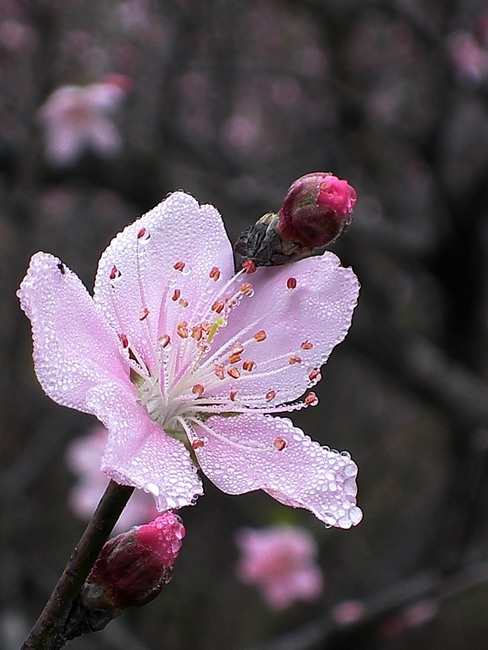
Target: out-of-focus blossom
347 612
77 118
420 612
133 567
184 361
281 561
83 456
468 57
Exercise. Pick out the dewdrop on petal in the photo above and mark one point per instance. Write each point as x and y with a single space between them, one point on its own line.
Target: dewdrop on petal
316 211
133 567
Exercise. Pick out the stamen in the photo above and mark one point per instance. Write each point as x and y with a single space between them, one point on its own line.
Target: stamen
306 345
311 399
114 273
218 306
246 288
260 336
198 443
124 340
271 394
234 372
183 302
313 374
294 359
279 443
182 329
197 390
176 295
291 283
232 394
179 266
248 365
219 371
142 233
248 266
164 341
144 313
235 357
214 273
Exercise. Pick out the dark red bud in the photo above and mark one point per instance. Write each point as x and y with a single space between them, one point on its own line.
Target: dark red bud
316 210
133 567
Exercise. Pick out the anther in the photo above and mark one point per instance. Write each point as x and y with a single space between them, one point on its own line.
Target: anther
279 443
294 359
271 394
141 233
234 372
219 371
183 302
214 273
248 365
246 288
164 341
306 345
197 390
313 374
182 329
61 267
248 266
235 357
291 283
124 340
260 336
144 313
232 394
311 399
114 273
179 266
197 443
176 295
218 306
197 332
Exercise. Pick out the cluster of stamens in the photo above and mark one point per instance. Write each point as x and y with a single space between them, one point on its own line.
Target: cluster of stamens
185 381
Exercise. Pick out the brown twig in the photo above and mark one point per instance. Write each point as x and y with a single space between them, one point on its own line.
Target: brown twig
49 632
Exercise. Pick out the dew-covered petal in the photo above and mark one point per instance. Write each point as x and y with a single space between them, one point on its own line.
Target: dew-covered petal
139 453
251 452
304 310
74 348
156 273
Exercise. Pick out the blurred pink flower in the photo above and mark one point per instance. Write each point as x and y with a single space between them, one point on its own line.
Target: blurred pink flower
280 560
348 611
468 57
83 457
184 361
76 118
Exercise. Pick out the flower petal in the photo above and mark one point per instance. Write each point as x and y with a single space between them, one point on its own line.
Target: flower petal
74 348
140 301
139 453
250 452
302 324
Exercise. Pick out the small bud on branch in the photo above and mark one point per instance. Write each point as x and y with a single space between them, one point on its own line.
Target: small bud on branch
315 212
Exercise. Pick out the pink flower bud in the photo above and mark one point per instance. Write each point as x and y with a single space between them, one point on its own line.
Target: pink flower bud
316 210
133 567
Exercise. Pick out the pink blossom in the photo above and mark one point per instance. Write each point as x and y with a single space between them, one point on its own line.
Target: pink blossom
468 57
280 560
76 118
83 456
348 611
186 362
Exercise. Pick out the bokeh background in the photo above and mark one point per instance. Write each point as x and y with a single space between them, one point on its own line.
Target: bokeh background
232 100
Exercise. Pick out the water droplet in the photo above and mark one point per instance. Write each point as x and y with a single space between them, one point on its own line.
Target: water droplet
152 488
